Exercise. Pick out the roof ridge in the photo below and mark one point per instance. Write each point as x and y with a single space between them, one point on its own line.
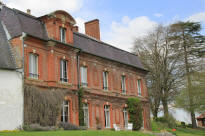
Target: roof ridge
96 40
24 13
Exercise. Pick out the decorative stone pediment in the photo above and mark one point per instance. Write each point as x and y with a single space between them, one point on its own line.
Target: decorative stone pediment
63 16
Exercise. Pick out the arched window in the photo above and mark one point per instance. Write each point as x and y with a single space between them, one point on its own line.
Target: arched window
65 112
86 114
107 116
125 115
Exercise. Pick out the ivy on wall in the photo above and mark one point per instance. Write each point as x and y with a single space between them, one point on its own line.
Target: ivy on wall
135 112
80 106
42 106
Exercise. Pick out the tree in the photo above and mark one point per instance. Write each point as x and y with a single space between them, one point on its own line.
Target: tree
187 42
157 57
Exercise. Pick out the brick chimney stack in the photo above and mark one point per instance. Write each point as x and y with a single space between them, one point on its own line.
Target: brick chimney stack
92 28
75 28
28 11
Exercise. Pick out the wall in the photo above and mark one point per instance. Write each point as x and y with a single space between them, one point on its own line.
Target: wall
11 100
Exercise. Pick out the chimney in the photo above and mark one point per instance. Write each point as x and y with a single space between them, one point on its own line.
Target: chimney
92 28
75 28
28 11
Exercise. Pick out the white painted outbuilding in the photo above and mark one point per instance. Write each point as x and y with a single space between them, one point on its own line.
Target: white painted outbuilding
11 99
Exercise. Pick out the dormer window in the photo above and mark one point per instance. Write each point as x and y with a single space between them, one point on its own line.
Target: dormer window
63 34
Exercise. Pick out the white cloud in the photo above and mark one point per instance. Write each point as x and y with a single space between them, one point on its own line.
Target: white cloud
123 33
41 7
80 24
198 17
158 15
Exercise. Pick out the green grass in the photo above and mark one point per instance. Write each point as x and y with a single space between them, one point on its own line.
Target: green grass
74 133
190 132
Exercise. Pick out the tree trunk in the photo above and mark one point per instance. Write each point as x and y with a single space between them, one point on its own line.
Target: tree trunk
165 108
189 85
155 114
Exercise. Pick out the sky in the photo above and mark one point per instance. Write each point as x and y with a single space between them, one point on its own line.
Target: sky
121 21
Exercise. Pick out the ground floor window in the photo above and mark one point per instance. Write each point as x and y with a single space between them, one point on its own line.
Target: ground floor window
86 114
107 116
203 122
125 115
65 113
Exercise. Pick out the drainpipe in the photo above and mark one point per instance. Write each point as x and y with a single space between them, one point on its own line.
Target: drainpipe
78 68
23 68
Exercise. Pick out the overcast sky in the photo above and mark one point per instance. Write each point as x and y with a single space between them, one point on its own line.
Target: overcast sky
121 21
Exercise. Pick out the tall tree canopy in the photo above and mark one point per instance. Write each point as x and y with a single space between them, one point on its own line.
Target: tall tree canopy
187 41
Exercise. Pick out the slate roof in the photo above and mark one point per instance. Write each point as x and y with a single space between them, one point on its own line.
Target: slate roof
17 22
6 58
101 49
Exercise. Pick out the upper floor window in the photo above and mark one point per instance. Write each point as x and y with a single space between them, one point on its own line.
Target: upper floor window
63 70
86 114
62 34
83 73
123 84
33 65
105 80
107 116
65 114
139 87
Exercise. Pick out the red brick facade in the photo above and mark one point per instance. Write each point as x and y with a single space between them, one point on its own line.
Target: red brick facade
49 56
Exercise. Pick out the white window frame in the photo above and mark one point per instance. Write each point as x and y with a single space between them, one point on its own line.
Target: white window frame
105 80
139 87
86 114
107 116
65 105
63 34
125 116
33 65
63 70
123 84
83 73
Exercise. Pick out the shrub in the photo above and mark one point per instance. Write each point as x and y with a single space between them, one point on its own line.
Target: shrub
68 126
37 127
168 121
135 112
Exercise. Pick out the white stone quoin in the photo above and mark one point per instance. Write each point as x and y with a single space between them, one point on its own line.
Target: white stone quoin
11 100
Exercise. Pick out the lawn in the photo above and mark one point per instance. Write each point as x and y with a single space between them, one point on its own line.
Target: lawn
190 132
74 133
179 132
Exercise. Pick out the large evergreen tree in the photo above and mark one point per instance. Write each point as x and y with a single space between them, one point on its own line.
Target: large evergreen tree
187 42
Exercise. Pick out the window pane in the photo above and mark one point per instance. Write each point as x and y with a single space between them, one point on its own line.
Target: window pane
105 80
107 115
139 86
33 65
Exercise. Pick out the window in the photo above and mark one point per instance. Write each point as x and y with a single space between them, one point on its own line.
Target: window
123 85
65 114
63 70
33 65
203 122
86 114
62 34
83 72
105 80
139 87
125 115
107 116
142 119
